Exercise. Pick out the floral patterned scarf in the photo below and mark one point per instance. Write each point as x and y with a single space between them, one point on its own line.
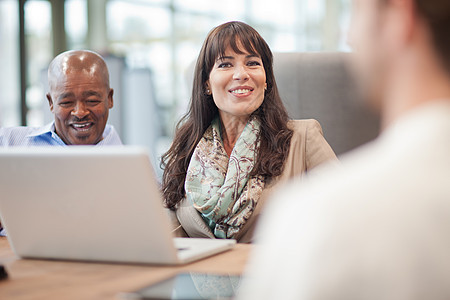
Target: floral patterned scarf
221 188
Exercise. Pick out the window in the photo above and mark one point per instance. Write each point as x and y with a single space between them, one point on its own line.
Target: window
9 60
166 36
162 37
38 34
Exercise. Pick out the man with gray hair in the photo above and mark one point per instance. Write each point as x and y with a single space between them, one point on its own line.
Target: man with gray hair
80 98
379 227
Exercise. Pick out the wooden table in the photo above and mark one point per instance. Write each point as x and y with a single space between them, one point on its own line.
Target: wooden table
41 279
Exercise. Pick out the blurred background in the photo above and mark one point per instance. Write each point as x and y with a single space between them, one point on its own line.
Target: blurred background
149 46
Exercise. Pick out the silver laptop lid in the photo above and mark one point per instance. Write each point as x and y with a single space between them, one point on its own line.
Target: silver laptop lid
81 202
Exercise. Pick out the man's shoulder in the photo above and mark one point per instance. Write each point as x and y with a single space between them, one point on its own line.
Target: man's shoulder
18 131
19 135
388 174
110 137
359 174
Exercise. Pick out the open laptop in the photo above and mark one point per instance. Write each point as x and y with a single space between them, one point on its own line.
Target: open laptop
91 204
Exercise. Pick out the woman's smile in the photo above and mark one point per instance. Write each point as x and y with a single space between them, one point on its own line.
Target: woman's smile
241 91
237 83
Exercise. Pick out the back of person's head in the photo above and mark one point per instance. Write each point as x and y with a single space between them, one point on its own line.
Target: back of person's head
436 14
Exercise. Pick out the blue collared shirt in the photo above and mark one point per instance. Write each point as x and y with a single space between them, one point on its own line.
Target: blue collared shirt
46 136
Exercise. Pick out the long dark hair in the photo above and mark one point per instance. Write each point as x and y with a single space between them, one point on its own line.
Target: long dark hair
275 135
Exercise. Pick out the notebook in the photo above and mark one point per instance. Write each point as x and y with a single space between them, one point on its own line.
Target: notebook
90 204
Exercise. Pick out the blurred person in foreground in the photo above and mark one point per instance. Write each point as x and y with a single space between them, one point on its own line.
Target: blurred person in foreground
80 99
236 142
379 227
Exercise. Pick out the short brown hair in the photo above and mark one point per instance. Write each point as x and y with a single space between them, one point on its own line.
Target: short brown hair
437 14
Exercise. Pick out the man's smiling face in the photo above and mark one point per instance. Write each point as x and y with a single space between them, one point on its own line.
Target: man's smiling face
80 102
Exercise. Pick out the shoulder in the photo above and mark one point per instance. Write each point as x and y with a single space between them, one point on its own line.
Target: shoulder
110 136
367 205
309 210
329 188
309 145
306 133
15 135
30 136
322 193
305 126
16 130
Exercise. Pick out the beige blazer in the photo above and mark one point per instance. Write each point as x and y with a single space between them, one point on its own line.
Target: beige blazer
308 149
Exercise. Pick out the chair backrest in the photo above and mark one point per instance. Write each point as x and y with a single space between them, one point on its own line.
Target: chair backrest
319 86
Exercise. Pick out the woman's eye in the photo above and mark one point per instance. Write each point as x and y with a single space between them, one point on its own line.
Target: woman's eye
224 65
254 63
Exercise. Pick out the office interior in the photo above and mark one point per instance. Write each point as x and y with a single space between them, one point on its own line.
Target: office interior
149 46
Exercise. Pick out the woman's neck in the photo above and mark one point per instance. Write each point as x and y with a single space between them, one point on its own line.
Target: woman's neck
232 128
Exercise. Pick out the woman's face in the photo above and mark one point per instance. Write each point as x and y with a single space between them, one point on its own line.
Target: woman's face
237 83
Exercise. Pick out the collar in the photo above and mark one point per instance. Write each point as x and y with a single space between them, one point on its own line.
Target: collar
49 128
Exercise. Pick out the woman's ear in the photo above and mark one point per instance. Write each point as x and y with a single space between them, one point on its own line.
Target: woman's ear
207 88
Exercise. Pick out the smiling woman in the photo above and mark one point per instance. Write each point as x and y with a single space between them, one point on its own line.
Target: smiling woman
236 143
237 83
